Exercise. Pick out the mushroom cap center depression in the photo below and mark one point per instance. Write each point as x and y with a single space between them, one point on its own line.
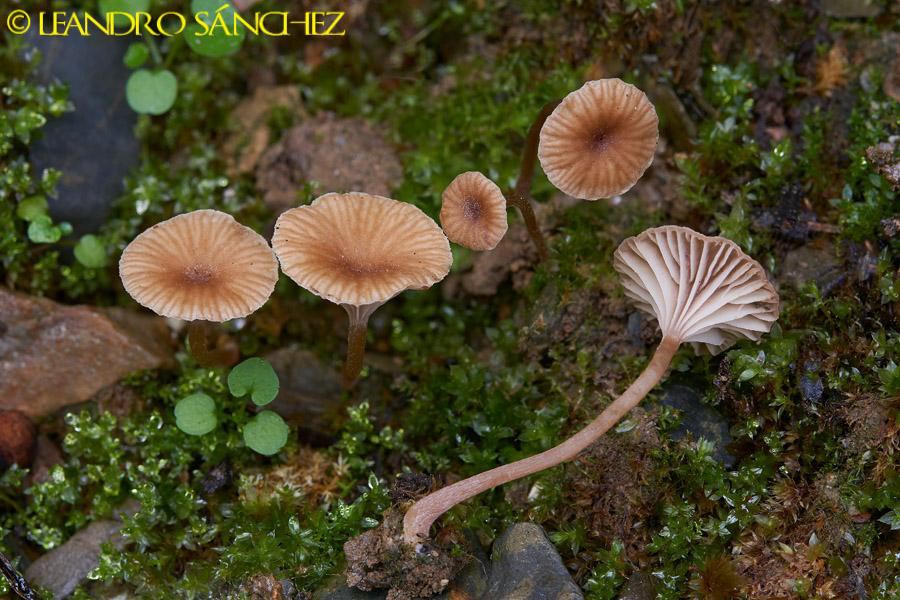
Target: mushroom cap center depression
198 274
472 209
600 140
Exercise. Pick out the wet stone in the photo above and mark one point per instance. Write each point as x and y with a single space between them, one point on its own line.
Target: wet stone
94 146
62 569
526 566
812 263
640 586
336 589
52 355
309 394
699 421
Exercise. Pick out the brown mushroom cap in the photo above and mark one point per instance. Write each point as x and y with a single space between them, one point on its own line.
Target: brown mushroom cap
473 212
599 140
199 265
703 290
359 249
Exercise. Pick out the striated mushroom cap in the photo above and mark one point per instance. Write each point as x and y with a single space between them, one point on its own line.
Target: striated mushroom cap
599 140
473 212
199 265
358 249
702 290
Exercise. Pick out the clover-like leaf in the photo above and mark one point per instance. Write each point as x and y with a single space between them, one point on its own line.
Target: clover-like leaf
136 55
91 252
151 92
256 377
212 40
31 208
196 414
266 433
41 230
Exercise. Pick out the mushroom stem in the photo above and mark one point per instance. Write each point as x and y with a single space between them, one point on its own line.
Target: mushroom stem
356 341
422 514
521 194
198 342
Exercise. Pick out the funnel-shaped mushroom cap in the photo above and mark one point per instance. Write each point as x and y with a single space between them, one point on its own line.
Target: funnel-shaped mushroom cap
473 212
358 249
599 140
199 265
703 290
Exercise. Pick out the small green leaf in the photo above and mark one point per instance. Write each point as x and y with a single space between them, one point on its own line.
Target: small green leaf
196 414
747 374
43 231
256 377
31 208
90 252
136 55
213 41
266 433
151 92
123 6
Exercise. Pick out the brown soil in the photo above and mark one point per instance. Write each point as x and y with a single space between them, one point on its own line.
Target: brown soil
379 559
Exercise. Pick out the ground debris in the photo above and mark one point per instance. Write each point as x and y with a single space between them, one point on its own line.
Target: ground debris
378 558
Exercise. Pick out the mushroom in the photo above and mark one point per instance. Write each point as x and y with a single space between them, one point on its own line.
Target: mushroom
200 266
599 140
359 251
703 291
473 212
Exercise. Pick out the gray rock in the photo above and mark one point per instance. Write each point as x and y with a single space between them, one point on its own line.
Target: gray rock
336 589
526 566
848 9
814 262
699 420
62 569
309 394
94 146
640 586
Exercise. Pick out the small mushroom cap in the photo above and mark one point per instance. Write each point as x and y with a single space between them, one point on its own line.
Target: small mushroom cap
473 212
359 249
703 290
199 265
599 140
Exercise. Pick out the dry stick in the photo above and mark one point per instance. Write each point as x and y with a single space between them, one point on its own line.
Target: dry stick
521 194
422 514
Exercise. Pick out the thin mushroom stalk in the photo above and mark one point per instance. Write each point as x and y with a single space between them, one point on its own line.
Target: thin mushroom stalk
521 193
357 328
702 290
359 250
422 514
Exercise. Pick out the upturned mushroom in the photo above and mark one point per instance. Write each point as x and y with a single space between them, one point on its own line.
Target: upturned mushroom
359 251
599 140
703 291
473 212
202 266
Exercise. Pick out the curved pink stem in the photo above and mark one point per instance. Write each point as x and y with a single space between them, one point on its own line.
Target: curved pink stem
422 514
